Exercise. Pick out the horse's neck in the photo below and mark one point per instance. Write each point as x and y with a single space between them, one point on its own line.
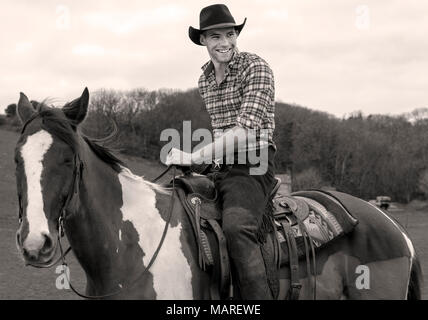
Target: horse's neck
91 228
117 212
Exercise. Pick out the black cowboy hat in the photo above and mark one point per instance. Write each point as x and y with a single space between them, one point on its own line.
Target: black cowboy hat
213 17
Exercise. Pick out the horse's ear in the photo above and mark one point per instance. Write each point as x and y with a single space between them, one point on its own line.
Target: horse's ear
77 109
37 105
24 108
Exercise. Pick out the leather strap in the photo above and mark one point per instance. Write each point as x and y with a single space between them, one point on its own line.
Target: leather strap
195 221
295 284
314 265
197 203
206 249
214 289
307 238
305 235
224 258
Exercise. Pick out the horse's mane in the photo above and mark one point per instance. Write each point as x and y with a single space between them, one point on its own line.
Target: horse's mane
55 122
105 154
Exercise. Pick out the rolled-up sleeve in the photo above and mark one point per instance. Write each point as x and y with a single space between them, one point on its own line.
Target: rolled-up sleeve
258 94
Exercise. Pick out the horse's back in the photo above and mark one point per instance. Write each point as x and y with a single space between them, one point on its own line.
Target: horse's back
373 261
377 235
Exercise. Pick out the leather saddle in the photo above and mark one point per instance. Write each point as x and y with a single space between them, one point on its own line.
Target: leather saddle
304 221
198 196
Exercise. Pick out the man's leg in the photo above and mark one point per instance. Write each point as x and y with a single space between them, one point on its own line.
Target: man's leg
243 203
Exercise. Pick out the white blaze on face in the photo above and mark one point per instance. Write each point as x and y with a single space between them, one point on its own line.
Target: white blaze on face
32 153
171 271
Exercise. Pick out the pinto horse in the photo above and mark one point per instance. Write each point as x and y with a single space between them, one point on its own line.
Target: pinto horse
132 244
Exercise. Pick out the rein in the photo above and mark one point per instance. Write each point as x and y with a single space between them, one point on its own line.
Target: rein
74 191
61 229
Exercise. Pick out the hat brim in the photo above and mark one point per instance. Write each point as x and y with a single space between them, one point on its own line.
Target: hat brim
195 34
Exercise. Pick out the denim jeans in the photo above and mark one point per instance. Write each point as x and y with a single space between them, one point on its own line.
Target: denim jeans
243 200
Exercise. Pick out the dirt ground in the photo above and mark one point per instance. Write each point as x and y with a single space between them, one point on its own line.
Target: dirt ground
20 282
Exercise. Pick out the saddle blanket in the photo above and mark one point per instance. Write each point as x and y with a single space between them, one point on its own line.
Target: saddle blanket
320 213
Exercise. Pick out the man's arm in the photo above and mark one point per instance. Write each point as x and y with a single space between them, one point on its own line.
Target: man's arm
225 145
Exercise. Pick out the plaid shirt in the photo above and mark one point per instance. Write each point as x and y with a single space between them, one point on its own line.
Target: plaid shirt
244 98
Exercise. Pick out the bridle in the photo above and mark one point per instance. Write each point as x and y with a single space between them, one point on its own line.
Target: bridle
72 196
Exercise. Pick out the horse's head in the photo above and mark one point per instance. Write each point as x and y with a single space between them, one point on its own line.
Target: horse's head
45 157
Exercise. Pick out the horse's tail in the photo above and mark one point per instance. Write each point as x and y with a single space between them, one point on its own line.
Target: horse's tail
416 279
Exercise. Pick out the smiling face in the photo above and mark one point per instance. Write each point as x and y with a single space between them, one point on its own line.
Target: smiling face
220 44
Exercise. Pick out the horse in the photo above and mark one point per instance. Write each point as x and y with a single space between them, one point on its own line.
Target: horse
134 240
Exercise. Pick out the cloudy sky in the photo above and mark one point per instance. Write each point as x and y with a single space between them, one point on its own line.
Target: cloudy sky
331 55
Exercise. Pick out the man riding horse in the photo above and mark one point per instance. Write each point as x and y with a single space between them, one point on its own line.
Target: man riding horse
238 91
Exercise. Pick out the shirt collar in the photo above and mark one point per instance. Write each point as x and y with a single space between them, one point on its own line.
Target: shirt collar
209 66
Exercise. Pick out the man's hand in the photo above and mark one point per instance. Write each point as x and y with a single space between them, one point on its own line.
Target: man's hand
176 156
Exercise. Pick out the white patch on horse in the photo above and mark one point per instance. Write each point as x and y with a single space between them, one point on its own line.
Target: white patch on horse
171 272
32 153
128 173
120 235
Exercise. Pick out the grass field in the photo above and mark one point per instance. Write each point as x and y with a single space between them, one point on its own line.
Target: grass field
20 282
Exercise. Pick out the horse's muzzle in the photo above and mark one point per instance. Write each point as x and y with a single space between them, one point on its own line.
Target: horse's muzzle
38 257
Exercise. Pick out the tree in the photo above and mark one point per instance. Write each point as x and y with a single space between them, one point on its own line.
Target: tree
417 114
307 179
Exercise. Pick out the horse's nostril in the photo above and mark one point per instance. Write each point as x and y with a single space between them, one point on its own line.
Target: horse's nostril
31 255
48 245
